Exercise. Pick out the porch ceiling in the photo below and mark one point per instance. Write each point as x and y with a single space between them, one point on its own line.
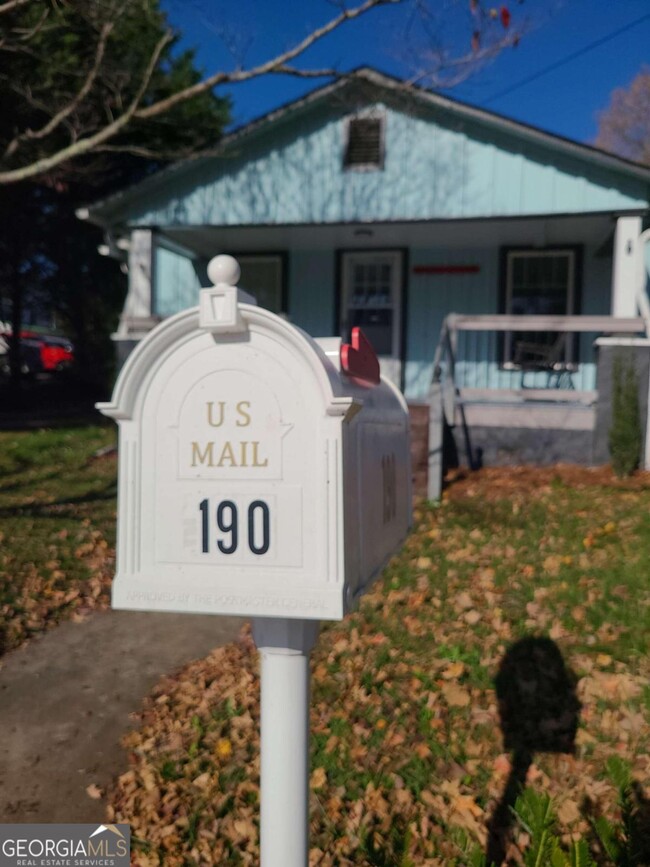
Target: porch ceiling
207 241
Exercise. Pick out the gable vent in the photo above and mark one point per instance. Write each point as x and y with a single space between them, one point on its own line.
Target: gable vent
364 147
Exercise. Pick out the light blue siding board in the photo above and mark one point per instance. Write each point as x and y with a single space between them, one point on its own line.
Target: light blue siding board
312 291
536 184
477 362
470 177
401 155
478 189
176 283
431 298
596 301
508 172
407 157
452 169
568 193
598 197
427 307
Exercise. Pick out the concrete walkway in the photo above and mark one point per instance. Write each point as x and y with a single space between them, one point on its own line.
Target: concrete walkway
65 701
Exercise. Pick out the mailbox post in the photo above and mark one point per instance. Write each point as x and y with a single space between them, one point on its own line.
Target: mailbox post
266 474
284 647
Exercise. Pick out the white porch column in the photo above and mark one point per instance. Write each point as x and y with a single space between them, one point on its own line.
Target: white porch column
624 266
643 278
138 300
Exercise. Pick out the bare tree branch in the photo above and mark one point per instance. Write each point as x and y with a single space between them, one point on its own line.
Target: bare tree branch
268 66
25 35
148 73
464 65
96 127
15 39
10 5
39 105
65 112
133 111
308 73
157 154
90 143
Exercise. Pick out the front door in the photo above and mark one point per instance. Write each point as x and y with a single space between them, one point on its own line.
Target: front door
371 296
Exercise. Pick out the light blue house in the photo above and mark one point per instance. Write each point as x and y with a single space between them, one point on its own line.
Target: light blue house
374 203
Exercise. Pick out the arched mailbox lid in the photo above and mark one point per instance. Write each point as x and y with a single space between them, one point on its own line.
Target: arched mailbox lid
237 492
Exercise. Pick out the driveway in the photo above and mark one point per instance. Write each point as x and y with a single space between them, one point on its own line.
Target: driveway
65 700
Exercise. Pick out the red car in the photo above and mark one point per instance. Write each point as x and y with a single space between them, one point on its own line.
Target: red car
39 353
57 353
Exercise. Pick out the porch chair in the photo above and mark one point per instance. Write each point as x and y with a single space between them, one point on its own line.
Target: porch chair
532 357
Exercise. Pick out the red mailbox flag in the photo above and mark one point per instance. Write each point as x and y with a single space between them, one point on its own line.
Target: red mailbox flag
358 358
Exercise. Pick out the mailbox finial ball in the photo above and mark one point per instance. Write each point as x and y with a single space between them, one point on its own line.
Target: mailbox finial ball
224 269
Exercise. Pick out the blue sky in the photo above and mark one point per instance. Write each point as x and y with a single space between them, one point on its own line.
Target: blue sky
564 101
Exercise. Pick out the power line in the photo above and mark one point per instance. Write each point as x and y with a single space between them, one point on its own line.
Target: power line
565 60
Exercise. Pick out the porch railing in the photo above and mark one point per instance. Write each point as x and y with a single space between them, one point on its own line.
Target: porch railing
508 347
505 358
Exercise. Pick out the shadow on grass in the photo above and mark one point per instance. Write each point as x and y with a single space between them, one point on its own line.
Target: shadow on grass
638 824
56 508
50 396
624 842
19 484
539 710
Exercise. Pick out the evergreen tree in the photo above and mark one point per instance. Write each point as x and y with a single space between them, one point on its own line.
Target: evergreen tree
625 432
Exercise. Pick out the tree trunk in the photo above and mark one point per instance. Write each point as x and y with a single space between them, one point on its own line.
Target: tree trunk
16 394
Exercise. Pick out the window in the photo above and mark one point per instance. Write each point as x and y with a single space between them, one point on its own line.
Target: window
263 275
176 283
539 283
364 147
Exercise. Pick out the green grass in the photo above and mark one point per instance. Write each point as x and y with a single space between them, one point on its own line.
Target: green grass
57 526
582 555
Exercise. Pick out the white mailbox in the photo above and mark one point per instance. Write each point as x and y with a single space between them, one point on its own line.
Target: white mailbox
261 472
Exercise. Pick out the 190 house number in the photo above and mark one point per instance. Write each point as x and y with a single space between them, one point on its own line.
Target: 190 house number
226 515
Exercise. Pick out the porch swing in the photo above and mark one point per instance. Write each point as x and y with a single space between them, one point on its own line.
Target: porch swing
534 357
